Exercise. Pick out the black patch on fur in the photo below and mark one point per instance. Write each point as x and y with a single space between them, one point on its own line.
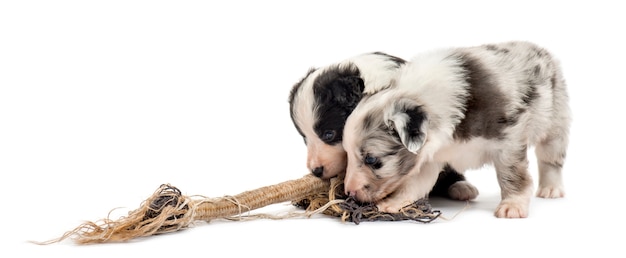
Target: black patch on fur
292 94
336 91
447 178
485 114
530 94
414 126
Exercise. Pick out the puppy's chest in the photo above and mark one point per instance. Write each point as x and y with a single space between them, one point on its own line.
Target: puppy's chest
465 155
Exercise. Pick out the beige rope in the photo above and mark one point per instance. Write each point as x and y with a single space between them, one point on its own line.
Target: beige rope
167 210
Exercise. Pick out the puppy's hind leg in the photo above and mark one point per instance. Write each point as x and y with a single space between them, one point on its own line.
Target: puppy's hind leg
550 158
551 149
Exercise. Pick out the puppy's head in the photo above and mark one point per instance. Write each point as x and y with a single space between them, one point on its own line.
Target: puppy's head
381 138
321 102
319 107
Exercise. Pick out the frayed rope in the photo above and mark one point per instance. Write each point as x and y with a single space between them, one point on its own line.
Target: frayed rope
167 210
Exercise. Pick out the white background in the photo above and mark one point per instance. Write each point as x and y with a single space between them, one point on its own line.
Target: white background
103 101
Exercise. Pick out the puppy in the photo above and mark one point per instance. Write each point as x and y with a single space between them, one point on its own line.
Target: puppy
463 108
321 102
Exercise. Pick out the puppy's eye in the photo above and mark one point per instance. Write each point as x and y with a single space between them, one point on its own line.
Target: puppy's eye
369 160
373 162
328 135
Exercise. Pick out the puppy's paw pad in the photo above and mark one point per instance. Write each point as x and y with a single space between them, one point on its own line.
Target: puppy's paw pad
462 191
550 192
511 210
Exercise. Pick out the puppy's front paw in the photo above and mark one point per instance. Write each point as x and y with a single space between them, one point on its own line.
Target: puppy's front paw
512 209
462 191
391 205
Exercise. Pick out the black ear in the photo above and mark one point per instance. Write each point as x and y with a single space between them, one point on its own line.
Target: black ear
407 118
347 91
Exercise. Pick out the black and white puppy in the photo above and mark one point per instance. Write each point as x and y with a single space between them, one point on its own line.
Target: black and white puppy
321 102
464 108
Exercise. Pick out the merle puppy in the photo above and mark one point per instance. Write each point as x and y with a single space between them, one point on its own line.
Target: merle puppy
461 108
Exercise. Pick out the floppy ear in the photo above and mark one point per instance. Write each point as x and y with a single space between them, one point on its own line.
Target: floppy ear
406 118
347 91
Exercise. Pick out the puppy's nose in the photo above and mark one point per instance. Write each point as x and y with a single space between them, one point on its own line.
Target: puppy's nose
318 171
351 193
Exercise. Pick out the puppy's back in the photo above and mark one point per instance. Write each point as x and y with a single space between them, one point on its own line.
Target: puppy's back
514 86
487 91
